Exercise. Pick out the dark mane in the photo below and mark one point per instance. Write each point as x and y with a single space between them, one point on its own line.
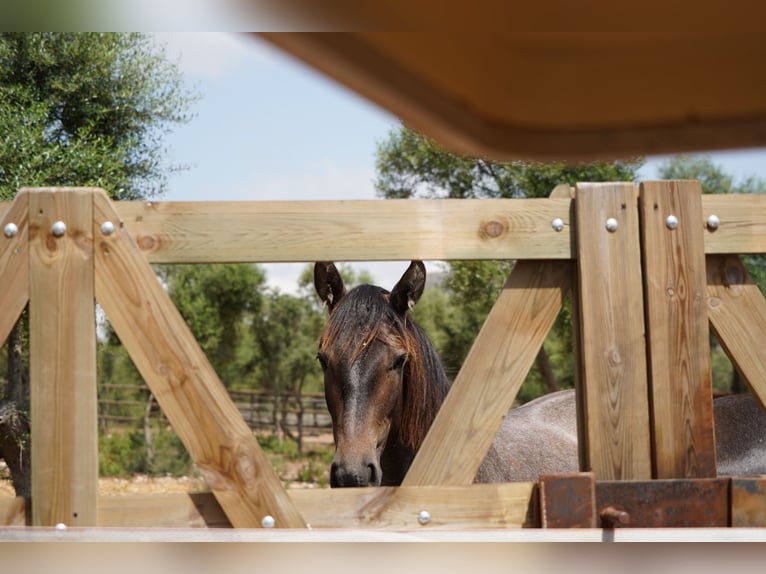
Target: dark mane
364 315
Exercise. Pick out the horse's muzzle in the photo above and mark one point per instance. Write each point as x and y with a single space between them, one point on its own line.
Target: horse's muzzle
342 475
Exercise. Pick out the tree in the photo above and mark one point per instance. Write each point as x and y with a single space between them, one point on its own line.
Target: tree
87 110
79 110
410 165
286 336
218 302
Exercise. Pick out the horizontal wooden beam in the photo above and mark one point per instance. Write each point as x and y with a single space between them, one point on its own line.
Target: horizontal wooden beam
382 230
348 230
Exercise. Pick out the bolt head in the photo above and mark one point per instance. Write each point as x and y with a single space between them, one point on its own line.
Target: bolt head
268 522
557 224
11 230
713 222
671 222
61 526
611 225
424 517
107 228
58 229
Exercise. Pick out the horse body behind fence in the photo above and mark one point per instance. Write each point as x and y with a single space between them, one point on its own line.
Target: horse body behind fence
384 384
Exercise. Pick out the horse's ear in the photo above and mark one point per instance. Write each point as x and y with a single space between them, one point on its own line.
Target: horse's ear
328 283
410 287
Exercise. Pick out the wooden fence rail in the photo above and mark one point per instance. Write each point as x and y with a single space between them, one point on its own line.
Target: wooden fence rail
261 410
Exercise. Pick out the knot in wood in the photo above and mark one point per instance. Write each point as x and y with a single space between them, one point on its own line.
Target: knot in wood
493 229
146 242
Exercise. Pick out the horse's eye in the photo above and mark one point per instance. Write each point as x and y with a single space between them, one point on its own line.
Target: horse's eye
399 362
322 358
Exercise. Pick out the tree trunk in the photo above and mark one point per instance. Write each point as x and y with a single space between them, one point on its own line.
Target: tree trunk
14 447
148 437
544 366
14 418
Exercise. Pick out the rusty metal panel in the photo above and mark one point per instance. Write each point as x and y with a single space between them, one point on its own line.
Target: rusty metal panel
748 502
568 500
664 503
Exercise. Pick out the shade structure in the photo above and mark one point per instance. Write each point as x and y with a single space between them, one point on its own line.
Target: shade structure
563 96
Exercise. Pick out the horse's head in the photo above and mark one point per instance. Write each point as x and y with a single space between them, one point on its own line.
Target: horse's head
367 352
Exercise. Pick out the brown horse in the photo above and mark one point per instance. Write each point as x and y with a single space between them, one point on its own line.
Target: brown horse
384 384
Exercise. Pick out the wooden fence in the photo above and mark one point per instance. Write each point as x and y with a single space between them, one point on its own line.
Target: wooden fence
641 281
261 410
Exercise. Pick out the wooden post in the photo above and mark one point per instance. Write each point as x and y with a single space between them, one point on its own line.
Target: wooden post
62 330
677 329
614 439
14 264
183 381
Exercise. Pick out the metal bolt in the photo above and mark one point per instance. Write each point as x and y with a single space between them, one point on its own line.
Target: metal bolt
61 526
612 225
268 521
58 228
424 517
557 224
713 222
11 230
671 222
107 228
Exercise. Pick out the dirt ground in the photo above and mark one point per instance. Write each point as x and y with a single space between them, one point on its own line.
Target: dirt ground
142 484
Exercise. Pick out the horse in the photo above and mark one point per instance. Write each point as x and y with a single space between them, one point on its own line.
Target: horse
384 384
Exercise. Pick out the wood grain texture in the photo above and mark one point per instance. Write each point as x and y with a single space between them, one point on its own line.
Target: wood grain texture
513 505
487 384
268 231
737 313
184 383
166 231
613 393
743 223
14 264
677 330
62 342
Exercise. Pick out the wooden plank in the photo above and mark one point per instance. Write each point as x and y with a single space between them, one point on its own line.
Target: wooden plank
273 231
678 338
493 371
478 506
14 264
737 313
165 229
187 389
196 510
62 344
615 436
292 559
743 223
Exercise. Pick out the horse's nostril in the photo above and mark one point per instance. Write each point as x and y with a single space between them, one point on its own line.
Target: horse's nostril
373 479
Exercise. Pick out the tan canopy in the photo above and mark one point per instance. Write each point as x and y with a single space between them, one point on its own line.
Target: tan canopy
543 96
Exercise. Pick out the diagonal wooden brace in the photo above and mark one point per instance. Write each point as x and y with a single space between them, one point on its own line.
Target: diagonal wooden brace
183 381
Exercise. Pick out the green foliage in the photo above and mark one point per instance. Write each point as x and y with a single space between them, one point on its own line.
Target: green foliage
285 337
82 109
125 453
218 302
410 165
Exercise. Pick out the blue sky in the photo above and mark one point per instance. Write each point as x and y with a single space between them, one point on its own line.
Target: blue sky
268 127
